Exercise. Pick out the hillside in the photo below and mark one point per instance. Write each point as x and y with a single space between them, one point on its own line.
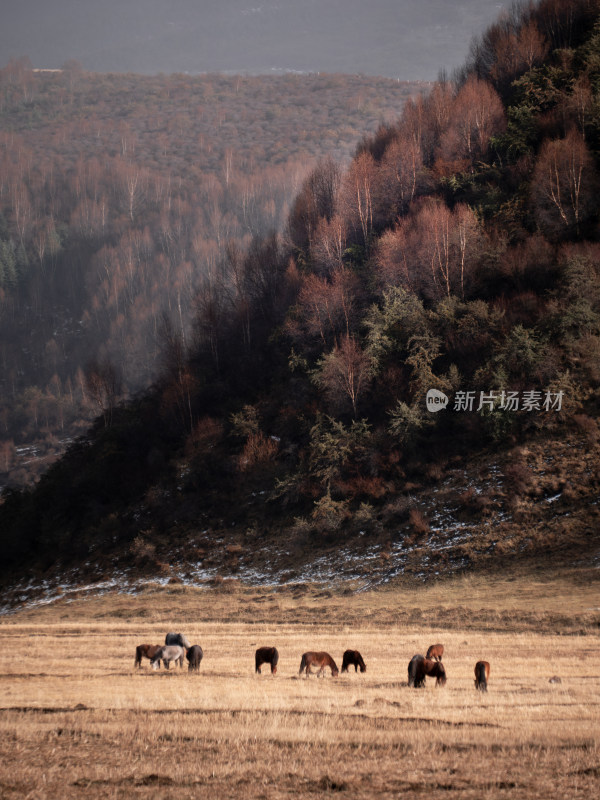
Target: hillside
294 437
122 198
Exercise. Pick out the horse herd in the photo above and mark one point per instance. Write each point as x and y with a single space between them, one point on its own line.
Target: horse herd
177 647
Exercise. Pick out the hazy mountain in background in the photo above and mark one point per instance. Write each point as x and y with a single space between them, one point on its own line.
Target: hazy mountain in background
407 39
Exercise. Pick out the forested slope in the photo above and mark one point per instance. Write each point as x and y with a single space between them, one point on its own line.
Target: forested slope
458 252
124 199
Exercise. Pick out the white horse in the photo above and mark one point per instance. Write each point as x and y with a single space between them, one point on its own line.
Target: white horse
167 654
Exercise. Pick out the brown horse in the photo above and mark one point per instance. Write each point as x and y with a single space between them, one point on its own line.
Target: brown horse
482 673
321 660
145 651
436 670
194 655
436 651
353 657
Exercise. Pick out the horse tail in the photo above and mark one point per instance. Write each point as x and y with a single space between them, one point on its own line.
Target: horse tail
302 665
411 673
416 671
138 657
275 659
440 679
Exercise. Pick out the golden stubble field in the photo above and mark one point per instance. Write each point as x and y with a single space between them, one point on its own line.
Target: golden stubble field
77 720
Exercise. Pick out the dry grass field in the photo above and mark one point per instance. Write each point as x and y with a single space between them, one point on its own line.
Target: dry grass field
76 719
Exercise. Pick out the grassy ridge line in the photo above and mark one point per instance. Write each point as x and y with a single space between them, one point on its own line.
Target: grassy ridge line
544 602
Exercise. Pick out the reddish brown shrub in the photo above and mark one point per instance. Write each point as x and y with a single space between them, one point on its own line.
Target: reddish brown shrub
518 477
257 450
206 433
418 521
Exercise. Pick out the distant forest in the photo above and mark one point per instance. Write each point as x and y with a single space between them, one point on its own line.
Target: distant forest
126 202
457 251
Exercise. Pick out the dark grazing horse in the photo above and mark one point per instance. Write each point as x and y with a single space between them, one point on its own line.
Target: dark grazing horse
436 670
436 651
166 654
266 655
420 667
177 638
320 660
144 651
482 673
416 671
194 656
353 657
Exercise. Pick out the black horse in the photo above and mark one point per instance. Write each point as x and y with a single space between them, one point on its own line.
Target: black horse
177 638
353 657
266 655
416 671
